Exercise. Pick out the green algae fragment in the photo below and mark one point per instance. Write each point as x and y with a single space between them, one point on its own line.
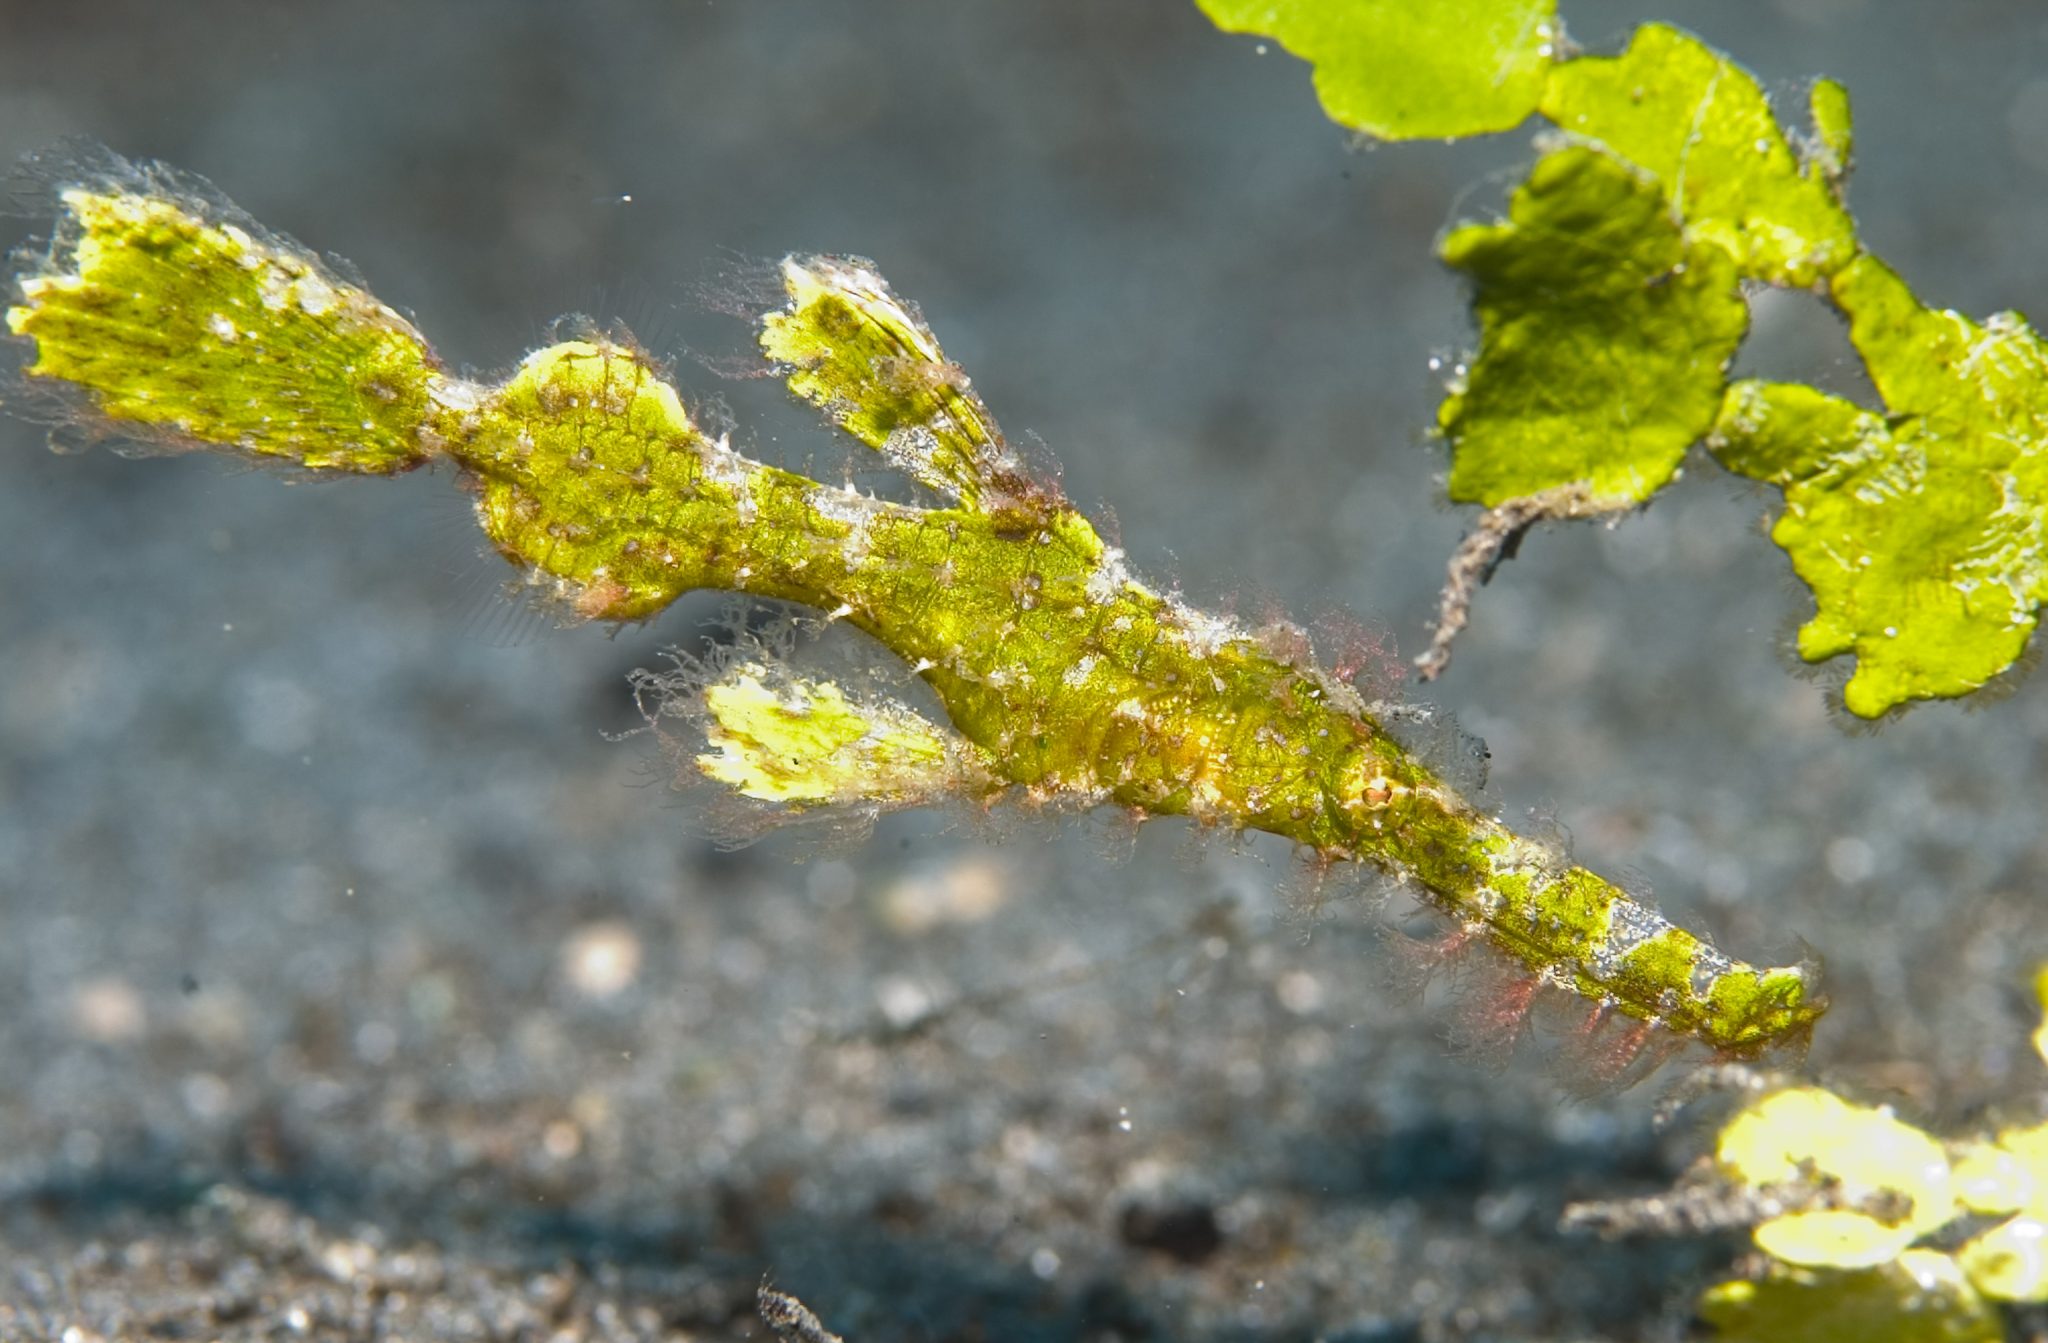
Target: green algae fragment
1828 108
1920 531
1699 123
179 326
1921 1297
1604 338
1609 309
1400 70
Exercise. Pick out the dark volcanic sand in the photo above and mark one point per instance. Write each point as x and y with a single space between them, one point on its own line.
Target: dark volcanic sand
350 989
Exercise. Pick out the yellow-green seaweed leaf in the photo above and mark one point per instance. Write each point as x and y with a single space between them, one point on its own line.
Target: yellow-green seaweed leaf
1603 338
1699 123
1893 1179
1921 1297
1992 1178
1609 310
1921 533
2009 1262
1400 70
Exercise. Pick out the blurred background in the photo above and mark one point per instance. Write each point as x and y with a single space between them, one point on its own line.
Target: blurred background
353 982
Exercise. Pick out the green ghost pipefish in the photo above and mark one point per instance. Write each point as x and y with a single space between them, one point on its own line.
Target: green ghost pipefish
168 317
